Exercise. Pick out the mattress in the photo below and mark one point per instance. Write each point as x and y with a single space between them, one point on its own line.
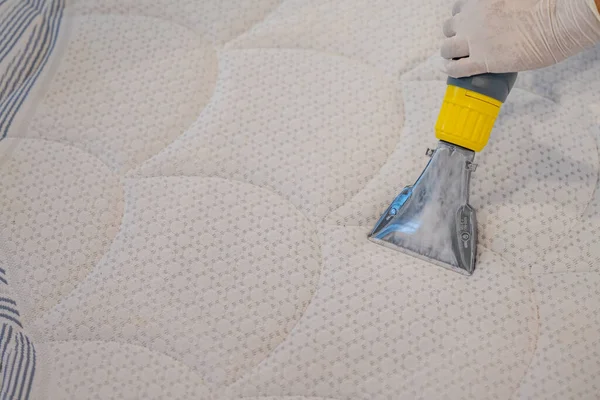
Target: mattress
186 189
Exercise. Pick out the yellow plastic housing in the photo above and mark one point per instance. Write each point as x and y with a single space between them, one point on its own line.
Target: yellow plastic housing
467 118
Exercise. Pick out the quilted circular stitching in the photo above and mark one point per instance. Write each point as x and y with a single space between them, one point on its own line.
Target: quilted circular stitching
218 292
560 327
125 88
395 327
270 108
532 184
60 210
111 370
217 21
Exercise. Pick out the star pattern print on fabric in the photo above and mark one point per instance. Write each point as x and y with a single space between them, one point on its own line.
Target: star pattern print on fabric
186 193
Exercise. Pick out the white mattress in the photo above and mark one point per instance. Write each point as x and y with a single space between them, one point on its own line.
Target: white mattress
186 189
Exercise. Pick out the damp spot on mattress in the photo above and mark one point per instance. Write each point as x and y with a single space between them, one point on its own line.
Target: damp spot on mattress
533 181
424 326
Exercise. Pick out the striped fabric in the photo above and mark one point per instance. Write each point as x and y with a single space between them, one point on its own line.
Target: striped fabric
28 34
17 352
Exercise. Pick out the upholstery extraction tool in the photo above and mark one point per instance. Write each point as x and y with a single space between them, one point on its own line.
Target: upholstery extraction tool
432 219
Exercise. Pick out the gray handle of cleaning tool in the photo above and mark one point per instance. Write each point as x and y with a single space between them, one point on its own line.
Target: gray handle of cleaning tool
496 86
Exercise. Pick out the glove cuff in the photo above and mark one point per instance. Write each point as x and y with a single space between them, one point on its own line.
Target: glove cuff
592 5
587 18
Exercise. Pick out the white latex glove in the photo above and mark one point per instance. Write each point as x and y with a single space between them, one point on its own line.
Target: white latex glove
516 35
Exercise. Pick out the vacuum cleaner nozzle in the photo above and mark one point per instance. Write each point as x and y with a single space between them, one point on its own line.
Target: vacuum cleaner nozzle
432 219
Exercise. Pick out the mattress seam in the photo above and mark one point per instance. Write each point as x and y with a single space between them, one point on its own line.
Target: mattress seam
314 294
254 25
120 230
536 301
134 14
568 234
65 143
397 93
96 264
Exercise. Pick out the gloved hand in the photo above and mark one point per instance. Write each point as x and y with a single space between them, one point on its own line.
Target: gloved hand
516 35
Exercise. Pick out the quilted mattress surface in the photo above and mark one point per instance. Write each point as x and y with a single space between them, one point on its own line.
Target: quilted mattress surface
186 189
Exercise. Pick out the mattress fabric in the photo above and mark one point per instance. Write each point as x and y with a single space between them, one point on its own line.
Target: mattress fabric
186 189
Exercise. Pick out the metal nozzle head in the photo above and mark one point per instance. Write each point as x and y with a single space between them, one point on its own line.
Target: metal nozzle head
432 219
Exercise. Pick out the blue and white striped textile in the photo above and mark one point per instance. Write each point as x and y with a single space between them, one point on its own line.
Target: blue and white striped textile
28 34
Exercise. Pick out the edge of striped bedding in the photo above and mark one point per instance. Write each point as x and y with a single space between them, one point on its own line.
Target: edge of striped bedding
28 34
18 356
